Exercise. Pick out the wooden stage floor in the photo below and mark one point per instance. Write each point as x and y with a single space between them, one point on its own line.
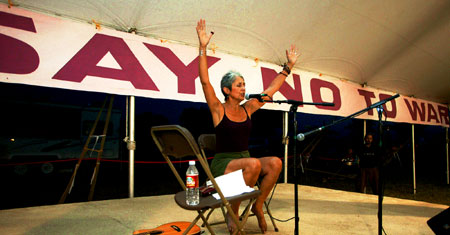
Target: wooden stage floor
321 211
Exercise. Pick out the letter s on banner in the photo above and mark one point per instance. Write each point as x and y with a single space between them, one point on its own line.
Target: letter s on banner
17 57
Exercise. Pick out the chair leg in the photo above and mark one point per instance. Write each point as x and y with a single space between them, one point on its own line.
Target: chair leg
207 216
270 216
240 224
218 222
268 213
237 222
191 225
200 215
245 215
267 210
205 221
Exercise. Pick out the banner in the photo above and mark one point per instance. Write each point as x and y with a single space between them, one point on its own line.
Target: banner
41 50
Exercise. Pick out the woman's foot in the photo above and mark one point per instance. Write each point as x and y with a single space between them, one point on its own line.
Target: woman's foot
230 224
261 220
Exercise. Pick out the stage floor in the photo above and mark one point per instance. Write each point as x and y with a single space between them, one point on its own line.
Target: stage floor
321 211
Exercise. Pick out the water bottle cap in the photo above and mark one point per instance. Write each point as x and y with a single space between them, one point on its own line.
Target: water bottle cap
191 163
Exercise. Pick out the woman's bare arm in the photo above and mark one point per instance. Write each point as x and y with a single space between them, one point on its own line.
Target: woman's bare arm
213 102
291 55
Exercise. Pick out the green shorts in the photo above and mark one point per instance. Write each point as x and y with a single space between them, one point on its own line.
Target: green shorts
221 160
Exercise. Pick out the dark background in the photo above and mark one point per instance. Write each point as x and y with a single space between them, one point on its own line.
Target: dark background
322 163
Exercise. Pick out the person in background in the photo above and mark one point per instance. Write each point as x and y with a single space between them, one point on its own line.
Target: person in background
369 160
232 122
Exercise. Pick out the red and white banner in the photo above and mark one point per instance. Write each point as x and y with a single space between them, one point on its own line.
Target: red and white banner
40 50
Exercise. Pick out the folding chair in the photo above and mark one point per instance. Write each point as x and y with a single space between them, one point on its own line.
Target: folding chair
176 142
207 143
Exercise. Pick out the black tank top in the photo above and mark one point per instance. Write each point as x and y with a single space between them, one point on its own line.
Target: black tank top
233 136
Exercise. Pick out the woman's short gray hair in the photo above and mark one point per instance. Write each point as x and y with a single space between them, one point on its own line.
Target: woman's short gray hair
227 81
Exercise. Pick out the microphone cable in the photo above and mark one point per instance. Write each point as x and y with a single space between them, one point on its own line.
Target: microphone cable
270 199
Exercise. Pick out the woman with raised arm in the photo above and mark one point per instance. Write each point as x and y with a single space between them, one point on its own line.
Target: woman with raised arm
232 122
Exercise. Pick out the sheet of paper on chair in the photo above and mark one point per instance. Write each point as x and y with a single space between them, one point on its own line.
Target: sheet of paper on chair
232 184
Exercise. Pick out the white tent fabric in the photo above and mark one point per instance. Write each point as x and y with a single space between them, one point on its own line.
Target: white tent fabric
400 46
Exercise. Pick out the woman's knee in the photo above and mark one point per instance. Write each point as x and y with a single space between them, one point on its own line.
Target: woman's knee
254 165
275 164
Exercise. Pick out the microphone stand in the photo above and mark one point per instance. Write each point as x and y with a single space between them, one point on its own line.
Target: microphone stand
379 107
378 104
380 170
294 105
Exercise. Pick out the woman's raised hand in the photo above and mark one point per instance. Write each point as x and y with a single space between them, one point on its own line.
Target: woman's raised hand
292 55
203 37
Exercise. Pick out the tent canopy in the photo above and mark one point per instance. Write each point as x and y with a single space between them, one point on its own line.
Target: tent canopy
400 46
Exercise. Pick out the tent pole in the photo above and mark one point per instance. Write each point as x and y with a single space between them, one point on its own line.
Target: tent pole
127 110
413 159
286 144
131 149
364 128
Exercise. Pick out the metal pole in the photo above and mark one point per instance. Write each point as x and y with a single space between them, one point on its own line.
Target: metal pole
380 166
131 143
127 116
286 144
297 219
364 129
131 150
413 159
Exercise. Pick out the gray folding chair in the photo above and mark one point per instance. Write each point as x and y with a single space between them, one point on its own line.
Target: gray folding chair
175 142
207 143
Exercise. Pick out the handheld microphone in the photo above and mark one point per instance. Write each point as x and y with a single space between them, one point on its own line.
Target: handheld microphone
257 96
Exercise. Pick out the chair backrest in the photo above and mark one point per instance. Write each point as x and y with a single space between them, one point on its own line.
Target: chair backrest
207 143
177 142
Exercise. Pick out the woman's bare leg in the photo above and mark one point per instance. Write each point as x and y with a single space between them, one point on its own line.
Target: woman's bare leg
270 171
251 169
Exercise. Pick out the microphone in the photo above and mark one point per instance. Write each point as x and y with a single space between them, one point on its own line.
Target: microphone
257 96
301 136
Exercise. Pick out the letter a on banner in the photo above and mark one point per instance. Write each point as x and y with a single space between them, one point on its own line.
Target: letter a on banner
85 62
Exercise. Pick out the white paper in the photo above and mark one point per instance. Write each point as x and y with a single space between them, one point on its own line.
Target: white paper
232 184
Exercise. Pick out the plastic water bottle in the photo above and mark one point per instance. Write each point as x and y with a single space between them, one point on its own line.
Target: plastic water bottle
192 185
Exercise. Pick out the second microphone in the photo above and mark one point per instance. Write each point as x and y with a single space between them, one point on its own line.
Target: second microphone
257 96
